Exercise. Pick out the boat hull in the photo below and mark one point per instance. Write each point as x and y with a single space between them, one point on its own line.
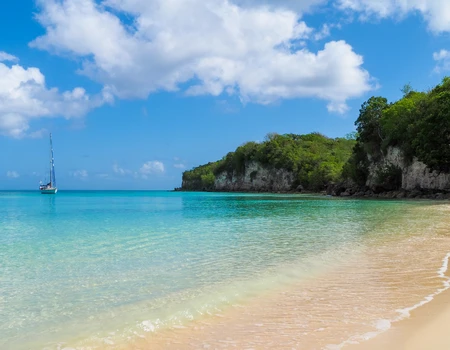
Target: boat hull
49 191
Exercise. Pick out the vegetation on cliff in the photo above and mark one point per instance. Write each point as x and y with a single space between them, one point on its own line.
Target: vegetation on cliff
314 159
418 124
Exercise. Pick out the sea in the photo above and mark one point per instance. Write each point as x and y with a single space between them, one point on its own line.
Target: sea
174 270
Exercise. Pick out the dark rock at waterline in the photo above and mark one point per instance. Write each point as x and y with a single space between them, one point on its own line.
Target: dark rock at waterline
344 190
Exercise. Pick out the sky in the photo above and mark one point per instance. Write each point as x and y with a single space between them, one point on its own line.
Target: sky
135 92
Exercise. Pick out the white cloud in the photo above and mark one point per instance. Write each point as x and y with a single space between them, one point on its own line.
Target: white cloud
151 167
442 59
24 97
12 174
7 57
80 174
323 33
296 5
251 51
147 169
435 12
338 107
121 171
179 166
441 55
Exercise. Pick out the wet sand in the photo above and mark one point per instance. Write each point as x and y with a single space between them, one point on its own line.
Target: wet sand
427 328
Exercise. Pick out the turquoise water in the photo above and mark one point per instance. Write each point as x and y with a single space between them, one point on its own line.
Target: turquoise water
81 267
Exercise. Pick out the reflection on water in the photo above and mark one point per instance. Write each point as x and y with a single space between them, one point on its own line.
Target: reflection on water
49 204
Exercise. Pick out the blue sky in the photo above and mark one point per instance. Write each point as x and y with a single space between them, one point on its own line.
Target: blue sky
137 91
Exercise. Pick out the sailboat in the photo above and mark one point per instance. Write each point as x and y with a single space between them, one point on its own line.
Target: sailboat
50 188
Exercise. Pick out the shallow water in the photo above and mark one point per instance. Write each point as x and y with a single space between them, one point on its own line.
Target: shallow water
180 270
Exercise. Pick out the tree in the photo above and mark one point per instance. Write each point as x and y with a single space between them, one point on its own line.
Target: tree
368 125
399 122
351 135
406 89
432 141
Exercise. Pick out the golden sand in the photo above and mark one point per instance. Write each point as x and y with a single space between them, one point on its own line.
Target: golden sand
427 328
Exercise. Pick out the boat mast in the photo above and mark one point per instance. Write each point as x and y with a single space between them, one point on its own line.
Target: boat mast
52 165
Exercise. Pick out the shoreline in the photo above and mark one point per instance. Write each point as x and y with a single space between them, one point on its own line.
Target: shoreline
399 194
426 328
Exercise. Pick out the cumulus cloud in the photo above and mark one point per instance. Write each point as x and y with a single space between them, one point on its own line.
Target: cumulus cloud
239 48
435 12
442 59
24 97
179 166
151 167
12 174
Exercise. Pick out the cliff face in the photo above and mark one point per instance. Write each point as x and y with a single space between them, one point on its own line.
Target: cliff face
255 178
413 176
407 176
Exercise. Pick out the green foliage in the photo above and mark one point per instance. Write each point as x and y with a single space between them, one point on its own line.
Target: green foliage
200 178
370 133
352 136
398 122
208 180
431 141
389 177
419 124
357 167
406 89
315 160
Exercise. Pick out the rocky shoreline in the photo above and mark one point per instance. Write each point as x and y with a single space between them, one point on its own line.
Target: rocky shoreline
340 190
353 192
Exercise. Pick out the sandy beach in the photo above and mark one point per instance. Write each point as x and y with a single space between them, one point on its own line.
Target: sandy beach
427 328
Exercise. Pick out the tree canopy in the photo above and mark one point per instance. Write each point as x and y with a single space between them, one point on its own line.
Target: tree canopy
418 124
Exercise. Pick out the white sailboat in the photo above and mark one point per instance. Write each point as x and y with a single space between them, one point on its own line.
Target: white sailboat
50 188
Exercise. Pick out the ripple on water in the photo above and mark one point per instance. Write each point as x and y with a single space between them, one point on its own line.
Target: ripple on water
85 269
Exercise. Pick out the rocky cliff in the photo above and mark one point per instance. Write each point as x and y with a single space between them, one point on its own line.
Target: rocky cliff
414 180
255 178
414 175
394 177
